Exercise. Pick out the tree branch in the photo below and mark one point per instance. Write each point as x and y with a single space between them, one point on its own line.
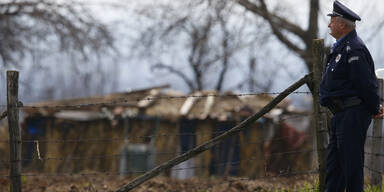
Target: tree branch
277 24
176 72
73 26
226 54
270 17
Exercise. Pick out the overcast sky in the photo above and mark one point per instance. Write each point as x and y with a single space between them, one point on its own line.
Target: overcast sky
297 11
135 74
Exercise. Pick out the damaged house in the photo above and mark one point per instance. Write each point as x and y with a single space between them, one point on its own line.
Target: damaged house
129 133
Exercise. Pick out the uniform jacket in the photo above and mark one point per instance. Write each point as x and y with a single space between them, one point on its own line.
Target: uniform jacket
349 72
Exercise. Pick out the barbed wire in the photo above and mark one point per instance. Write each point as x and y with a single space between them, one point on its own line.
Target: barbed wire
374 154
375 137
119 139
101 157
122 100
106 140
108 172
372 170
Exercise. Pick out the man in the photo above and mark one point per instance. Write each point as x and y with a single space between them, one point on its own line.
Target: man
349 89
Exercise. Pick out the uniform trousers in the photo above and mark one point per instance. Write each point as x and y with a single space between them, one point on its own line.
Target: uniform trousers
345 162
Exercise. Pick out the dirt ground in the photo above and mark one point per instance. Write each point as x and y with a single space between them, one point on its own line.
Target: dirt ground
100 183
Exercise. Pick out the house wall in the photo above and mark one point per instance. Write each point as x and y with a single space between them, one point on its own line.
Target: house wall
70 146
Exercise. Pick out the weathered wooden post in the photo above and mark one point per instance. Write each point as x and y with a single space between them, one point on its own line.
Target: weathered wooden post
375 160
14 130
321 130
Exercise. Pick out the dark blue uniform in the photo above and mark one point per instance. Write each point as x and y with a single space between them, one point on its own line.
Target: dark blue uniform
349 88
349 73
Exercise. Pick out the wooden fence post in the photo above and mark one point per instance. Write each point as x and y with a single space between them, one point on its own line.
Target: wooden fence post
319 112
375 160
14 130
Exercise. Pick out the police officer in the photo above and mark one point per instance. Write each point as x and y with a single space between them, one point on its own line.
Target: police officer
349 89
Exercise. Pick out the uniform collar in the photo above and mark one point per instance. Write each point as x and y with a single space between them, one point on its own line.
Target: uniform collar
341 42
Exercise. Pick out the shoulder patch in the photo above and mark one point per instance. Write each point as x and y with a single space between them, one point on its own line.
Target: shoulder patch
354 58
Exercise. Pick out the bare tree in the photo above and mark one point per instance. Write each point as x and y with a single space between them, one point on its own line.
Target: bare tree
281 26
33 30
62 76
26 25
213 36
255 81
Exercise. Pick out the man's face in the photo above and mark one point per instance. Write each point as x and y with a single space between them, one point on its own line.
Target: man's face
336 28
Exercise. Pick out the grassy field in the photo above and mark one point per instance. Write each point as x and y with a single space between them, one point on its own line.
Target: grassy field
102 183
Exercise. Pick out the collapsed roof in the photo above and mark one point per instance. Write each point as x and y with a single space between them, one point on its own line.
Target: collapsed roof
157 102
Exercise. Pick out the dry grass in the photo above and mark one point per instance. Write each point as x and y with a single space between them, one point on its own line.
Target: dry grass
102 183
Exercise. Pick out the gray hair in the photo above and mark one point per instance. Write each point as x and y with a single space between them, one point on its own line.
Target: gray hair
350 24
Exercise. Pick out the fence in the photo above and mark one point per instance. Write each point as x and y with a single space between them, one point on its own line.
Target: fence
320 135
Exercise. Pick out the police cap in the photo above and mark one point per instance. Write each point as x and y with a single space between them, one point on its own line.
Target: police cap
340 10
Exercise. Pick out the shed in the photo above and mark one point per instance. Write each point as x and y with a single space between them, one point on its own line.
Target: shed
130 132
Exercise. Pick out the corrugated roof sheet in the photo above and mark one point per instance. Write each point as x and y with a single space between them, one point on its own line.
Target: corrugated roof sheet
156 102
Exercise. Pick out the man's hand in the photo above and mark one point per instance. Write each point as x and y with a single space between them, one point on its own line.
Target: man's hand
380 114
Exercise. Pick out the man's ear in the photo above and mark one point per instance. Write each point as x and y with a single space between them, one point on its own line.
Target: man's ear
343 24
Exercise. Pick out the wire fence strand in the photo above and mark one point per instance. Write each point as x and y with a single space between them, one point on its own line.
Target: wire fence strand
108 172
120 139
124 100
111 156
